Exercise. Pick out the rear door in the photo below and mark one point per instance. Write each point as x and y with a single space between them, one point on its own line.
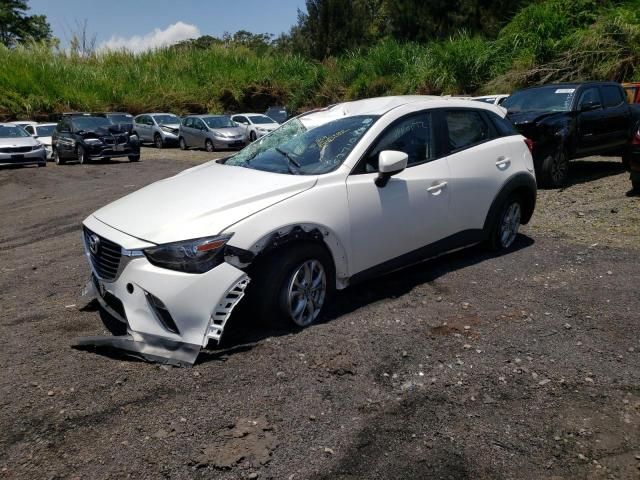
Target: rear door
616 116
186 130
480 162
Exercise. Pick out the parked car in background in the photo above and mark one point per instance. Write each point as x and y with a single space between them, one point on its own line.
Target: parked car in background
161 129
255 125
43 132
125 120
86 137
633 92
279 114
571 120
492 99
210 132
329 199
17 147
23 123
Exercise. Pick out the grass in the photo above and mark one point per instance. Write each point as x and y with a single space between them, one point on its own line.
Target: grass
548 41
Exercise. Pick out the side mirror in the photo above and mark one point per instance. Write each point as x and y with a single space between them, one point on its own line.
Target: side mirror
390 162
590 106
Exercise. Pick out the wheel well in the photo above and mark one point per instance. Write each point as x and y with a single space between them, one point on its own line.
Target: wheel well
522 185
528 198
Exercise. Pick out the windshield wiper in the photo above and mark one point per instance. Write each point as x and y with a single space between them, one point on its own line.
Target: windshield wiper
289 158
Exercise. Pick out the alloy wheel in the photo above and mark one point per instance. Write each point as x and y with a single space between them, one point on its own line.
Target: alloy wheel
559 168
510 224
306 292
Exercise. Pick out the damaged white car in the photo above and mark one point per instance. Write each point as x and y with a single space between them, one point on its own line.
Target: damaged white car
328 199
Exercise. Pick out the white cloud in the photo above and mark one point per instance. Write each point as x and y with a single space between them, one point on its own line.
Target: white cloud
158 38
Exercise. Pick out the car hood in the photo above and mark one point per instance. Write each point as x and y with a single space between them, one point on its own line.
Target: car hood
199 202
104 131
268 126
18 142
174 126
229 132
523 118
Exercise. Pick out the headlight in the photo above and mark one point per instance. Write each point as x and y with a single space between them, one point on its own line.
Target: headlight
219 135
92 141
168 130
133 137
190 256
38 146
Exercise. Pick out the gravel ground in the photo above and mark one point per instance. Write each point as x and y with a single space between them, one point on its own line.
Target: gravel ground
470 366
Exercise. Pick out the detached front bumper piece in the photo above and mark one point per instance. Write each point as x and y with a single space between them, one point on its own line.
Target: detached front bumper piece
169 316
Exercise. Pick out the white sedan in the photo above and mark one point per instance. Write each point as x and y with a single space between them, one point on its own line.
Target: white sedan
327 200
43 132
256 125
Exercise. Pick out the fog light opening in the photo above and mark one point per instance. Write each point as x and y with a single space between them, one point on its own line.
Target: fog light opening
129 287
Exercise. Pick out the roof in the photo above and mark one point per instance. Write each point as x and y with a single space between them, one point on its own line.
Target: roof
382 105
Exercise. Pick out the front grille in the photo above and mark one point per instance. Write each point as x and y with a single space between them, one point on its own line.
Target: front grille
115 139
106 260
15 149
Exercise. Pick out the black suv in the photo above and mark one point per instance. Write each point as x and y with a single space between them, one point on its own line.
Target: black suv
85 137
571 120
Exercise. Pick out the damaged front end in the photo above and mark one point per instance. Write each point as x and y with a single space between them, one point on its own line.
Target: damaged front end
169 315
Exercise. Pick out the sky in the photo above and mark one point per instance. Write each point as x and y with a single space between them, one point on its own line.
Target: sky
143 24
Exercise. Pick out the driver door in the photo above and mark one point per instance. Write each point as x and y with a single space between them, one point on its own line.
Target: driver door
399 222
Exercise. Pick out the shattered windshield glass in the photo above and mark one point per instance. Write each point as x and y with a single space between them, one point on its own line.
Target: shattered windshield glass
295 150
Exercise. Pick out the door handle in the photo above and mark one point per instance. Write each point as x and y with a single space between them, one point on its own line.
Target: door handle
503 162
436 188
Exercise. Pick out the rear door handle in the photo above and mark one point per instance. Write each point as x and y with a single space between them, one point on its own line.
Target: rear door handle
503 162
436 188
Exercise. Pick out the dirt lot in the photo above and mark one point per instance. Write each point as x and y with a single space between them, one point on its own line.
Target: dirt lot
525 365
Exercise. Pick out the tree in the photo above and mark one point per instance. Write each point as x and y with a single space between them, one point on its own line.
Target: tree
17 27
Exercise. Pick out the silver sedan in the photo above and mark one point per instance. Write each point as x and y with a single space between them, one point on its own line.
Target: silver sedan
17 147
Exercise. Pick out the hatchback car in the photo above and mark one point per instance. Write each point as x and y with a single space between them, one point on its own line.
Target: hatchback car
279 114
255 125
159 128
43 132
17 147
210 132
329 199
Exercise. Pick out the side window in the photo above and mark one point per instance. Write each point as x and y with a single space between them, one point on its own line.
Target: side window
29 129
504 127
188 122
199 124
466 128
241 119
412 135
612 96
589 96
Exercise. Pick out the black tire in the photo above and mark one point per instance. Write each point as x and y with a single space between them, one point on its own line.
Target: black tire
57 159
43 164
182 143
253 136
267 294
157 141
497 235
626 160
82 155
134 158
554 170
208 146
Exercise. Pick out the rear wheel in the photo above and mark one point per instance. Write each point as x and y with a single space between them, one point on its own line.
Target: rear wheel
208 145
554 170
182 143
157 141
292 286
506 225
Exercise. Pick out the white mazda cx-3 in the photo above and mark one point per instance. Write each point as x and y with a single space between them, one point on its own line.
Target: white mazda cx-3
330 198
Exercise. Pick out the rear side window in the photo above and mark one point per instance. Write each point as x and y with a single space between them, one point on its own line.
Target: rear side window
504 127
466 128
612 96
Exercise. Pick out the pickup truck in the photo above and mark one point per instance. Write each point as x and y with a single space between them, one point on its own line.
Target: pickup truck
572 120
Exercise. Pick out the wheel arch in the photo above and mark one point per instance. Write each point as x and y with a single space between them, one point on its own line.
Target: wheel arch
521 184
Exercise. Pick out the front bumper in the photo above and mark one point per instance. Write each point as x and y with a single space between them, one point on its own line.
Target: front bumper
33 157
220 142
112 151
169 315
169 138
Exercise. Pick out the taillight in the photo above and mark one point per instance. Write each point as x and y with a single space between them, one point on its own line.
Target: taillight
529 143
636 138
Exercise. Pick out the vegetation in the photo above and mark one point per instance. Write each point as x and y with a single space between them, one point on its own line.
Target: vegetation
17 27
545 41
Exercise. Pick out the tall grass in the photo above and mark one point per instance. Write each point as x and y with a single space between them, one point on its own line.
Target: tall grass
552 40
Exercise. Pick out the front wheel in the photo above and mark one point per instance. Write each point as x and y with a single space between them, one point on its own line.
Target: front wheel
253 136
157 141
57 159
507 223
554 171
208 145
182 143
293 285
82 155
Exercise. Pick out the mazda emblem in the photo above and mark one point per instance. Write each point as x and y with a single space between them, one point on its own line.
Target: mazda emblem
94 244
